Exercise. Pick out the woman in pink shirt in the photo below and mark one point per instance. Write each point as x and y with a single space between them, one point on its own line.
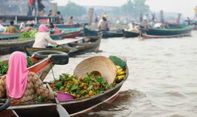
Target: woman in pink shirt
42 38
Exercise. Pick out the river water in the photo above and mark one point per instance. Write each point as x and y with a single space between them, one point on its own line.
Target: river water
162 80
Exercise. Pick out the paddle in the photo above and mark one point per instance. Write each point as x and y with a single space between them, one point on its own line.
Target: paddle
60 109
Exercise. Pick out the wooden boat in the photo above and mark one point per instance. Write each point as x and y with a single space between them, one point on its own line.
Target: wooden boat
9 46
89 32
171 31
105 34
73 47
42 66
73 107
112 33
63 35
68 26
72 34
6 36
130 34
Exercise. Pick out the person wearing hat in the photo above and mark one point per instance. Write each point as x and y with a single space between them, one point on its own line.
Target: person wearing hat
103 24
42 38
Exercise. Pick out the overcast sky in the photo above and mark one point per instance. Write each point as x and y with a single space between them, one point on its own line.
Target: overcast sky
183 6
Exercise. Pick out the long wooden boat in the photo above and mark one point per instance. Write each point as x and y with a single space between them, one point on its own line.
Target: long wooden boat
73 47
89 32
128 34
112 33
6 36
42 66
9 46
73 107
171 31
105 34
68 26
64 35
72 34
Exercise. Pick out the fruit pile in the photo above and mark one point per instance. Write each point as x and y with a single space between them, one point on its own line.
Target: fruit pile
91 84
88 86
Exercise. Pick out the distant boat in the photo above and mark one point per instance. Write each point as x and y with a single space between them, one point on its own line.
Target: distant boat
170 31
6 36
72 47
105 34
9 46
128 34
63 35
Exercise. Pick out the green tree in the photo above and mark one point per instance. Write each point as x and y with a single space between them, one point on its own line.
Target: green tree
140 7
72 9
133 8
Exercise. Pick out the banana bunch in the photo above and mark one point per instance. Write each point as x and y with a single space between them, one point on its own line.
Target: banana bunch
120 74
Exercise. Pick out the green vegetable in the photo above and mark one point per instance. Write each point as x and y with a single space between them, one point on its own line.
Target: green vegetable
117 61
58 85
28 34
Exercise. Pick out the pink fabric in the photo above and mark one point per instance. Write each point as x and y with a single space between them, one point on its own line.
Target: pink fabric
42 28
16 78
56 30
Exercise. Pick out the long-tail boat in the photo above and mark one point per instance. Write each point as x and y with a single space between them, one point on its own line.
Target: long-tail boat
73 107
63 35
105 34
73 47
167 32
6 36
128 34
9 46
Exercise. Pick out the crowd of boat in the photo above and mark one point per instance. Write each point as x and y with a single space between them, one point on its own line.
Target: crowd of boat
72 40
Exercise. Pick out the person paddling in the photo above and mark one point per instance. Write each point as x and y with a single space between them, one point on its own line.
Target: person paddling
42 38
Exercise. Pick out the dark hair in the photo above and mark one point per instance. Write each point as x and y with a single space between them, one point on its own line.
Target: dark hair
58 12
104 18
71 17
31 25
51 25
11 22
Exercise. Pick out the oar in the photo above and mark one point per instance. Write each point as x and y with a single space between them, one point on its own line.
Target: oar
60 109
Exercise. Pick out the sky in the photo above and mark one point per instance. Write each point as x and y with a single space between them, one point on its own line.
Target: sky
186 7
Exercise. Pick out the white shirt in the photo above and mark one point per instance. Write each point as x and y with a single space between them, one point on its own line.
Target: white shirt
42 39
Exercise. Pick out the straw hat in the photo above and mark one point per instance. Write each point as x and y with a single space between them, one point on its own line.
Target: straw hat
100 64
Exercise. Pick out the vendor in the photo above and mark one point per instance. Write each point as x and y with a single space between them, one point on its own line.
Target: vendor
11 28
103 24
21 85
42 38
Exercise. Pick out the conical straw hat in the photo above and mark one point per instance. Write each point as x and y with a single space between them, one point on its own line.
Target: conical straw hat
100 64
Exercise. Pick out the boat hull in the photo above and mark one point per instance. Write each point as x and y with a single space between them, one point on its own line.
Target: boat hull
4 36
105 34
167 33
73 48
9 46
74 107
128 34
